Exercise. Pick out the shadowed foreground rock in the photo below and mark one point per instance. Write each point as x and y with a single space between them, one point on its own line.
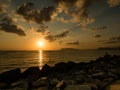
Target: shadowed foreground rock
10 76
100 74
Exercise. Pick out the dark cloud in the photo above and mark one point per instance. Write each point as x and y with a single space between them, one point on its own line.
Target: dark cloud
29 13
78 9
42 29
99 28
6 25
73 43
111 40
97 36
52 37
113 3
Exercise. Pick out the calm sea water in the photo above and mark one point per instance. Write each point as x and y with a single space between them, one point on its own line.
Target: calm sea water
24 59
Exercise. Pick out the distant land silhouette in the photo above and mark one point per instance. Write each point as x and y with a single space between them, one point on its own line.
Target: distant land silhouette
109 48
100 48
64 49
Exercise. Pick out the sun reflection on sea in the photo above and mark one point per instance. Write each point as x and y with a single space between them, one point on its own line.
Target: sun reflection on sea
40 59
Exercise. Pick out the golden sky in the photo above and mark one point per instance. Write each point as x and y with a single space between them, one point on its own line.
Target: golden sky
82 24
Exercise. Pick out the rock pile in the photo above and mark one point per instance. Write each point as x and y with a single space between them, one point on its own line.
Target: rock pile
93 75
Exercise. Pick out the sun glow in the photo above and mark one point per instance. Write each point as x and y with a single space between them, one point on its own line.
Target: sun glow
40 43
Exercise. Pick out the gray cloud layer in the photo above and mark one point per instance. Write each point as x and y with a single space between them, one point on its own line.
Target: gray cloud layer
52 37
99 28
29 13
6 22
78 9
6 25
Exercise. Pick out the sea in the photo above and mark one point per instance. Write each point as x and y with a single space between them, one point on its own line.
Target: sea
24 59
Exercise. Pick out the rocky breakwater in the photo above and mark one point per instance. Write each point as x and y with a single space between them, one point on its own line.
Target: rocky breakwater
94 75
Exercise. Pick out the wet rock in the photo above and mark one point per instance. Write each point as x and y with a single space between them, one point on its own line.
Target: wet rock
10 76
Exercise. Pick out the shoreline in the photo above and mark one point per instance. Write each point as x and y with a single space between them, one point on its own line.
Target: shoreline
93 75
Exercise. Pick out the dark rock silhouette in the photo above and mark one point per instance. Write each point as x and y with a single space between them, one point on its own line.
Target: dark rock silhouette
10 76
97 74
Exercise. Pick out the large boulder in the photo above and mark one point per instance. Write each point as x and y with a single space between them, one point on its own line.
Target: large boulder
31 74
10 76
46 70
61 67
31 71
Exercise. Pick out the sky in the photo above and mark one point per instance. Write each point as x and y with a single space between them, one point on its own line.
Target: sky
82 24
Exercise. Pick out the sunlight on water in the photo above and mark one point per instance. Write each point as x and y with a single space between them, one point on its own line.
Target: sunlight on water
40 59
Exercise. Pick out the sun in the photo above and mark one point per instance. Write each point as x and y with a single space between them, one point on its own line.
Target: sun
40 43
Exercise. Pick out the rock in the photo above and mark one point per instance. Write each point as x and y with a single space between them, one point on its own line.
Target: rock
10 76
114 86
46 70
71 65
19 85
97 82
3 85
71 82
42 88
31 71
61 85
99 75
110 74
106 82
42 82
61 67
53 82
78 87
31 74
80 77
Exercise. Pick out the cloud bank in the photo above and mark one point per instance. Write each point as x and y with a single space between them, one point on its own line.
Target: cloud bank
111 40
6 25
29 13
51 37
73 43
99 28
